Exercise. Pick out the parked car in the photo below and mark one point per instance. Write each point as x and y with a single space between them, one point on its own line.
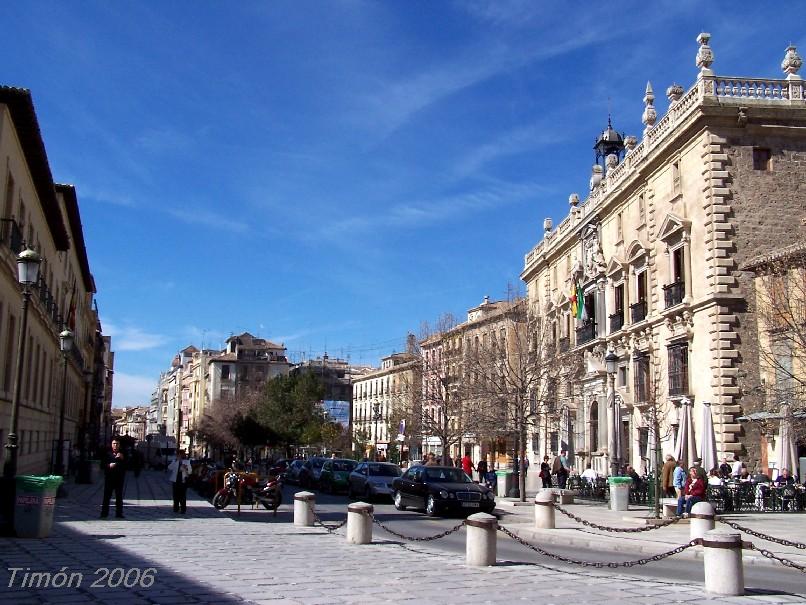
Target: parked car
293 471
279 467
309 476
372 479
440 490
335 473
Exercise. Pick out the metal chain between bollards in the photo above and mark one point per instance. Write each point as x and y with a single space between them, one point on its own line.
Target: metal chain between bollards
786 562
780 541
625 530
317 521
443 534
600 564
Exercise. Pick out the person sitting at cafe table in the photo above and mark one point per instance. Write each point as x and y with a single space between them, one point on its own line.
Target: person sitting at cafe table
745 475
693 492
714 477
784 478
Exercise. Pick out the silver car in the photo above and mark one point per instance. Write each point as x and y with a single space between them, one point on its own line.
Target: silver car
372 479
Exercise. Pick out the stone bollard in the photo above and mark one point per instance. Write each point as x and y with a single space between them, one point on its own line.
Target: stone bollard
304 506
722 556
481 539
359 523
544 509
702 520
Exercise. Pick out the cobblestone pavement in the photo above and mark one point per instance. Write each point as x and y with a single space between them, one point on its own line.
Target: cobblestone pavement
208 556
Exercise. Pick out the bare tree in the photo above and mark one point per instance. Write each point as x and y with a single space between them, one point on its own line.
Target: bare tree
780 288
514 374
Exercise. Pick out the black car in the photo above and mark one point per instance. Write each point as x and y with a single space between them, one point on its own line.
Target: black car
309 475
440 490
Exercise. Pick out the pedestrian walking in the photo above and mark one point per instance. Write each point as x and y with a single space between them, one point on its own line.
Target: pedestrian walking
467 465
545 472
481 468
666 476
559 468
178 472
114 477
679 478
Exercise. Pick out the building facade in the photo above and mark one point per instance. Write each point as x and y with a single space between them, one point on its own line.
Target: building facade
38 214
646 271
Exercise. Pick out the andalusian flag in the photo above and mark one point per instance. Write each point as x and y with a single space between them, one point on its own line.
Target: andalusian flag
577 301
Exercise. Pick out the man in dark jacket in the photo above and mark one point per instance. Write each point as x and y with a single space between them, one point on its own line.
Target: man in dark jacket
115 474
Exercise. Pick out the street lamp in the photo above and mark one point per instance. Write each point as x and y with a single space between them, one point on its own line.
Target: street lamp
65 345
376 416
84 475
27 273
611 361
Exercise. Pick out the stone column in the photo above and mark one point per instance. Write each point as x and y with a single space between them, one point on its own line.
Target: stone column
359 523
544 509
702 520
481 540
722 557
304 507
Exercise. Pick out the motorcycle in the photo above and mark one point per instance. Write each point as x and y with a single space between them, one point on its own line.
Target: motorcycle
270 494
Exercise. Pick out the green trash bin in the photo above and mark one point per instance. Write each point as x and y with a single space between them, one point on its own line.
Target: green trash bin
34 504
619 492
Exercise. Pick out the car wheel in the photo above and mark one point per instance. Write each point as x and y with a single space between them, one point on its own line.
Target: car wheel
399 501
431 507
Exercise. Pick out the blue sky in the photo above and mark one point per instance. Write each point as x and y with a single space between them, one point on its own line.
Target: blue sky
331 174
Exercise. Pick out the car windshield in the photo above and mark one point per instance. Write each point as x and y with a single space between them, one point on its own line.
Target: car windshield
447 475
344 465
384 470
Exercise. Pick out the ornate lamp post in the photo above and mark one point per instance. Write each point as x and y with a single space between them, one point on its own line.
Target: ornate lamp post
27 273
65 345
611 361
376 416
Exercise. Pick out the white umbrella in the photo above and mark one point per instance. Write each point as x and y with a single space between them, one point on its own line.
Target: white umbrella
707 438
685 448
786 445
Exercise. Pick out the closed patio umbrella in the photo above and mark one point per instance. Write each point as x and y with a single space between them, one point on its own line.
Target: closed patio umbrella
619 448
786 444
707 438
685 447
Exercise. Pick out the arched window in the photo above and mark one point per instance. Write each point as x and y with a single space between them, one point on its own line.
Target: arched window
594 426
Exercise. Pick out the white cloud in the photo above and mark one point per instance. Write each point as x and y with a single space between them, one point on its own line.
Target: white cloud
208 219
131 389
132 338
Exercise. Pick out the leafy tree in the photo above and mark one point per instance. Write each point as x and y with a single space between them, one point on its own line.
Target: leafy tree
291 409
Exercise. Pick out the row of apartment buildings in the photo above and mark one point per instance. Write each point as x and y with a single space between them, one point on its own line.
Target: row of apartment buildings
657 269
38 214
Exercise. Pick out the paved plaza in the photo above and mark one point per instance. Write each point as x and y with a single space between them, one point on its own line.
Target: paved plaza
210 556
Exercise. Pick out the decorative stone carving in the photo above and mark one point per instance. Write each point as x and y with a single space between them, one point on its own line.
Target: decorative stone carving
611 161
594 258
741 119
650 115
630 142
573 200
673 93
596 176
705 56
548 225
791 63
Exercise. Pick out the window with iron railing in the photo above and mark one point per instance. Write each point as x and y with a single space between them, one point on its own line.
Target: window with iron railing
678 369
638 311
673 294
641 378
586 331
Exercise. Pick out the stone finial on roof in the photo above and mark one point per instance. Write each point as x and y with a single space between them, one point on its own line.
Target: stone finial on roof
548 225
596 176
673 93
705 56
573 200
791 63
630 142
650 115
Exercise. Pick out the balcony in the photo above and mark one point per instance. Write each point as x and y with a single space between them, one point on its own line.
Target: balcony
673 293
586 332
616 321
638 311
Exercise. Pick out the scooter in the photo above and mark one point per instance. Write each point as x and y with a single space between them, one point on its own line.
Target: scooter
269 495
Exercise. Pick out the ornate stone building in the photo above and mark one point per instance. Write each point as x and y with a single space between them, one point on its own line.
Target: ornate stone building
647 269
